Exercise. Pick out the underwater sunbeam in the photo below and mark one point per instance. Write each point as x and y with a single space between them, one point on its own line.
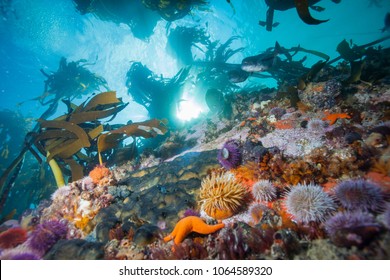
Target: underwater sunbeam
188 110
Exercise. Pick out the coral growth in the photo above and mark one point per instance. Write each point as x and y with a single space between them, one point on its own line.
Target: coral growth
222 195
308 203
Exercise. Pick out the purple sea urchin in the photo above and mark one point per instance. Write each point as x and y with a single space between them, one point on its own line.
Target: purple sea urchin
351 228
230 156
277 112
46 235
308 203
264 190
360 195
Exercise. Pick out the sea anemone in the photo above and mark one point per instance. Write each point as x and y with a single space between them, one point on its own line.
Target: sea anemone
12 237
308 203
230 156
46 235
61 193
351 228
316 125
264 190
221 195
99 173
359 195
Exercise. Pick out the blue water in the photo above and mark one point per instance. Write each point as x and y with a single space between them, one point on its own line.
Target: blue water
40 32
35 34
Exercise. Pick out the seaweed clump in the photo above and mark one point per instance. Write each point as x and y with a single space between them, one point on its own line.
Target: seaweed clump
159 96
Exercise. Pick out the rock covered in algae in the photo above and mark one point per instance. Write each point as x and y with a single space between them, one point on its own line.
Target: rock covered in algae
158 194
76 249
321 95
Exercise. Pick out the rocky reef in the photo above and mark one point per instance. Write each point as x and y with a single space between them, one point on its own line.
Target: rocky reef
276 180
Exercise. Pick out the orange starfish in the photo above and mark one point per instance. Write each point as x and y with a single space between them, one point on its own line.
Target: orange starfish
191 224
332 118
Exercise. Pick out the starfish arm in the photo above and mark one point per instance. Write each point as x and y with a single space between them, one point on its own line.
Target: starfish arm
180 236
172 235
168 238
207 229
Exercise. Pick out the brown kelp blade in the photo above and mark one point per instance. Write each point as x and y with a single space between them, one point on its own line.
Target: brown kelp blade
356 71
348 53
103 98
50 134
313 52
75 168
302 7
89 116
109 141
146 129
77 130
13 169
309 76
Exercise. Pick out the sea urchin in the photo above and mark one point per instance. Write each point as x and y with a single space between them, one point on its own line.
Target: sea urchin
360 195
264 190
221 195
351 228
46 235
230 156
308 203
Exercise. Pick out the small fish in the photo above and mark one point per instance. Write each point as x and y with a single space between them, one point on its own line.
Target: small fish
215 100
238 76
387 23
261 62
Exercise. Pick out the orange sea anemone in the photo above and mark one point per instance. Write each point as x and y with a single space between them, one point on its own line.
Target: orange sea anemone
99 173
222 195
